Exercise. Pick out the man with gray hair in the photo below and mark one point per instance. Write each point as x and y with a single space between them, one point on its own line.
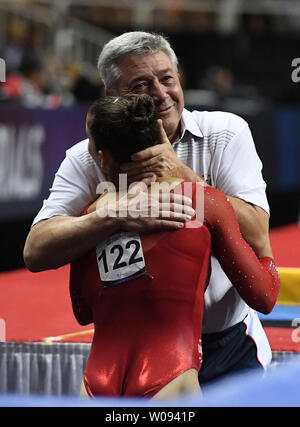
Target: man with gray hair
216 147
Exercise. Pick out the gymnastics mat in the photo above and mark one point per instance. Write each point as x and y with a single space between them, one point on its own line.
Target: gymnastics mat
285 242
282 326
36 307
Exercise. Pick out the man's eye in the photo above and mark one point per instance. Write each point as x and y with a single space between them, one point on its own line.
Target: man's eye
140 86
167 78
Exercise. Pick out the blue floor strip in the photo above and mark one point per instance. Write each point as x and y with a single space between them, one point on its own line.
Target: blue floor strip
282 312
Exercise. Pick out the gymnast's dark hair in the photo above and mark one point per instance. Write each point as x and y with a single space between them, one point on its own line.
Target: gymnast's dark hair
123 125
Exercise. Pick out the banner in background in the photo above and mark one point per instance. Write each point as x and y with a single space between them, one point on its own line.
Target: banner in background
32 146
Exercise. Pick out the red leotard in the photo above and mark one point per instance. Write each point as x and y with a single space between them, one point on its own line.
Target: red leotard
148 330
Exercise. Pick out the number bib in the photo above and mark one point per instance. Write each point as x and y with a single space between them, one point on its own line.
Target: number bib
120 258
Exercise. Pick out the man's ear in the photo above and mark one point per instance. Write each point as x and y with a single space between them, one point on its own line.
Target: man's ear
106 161
101 158
97 155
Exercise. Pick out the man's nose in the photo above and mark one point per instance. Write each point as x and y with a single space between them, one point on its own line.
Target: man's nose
158 92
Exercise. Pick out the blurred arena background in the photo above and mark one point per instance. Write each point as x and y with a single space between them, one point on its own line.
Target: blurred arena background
236 56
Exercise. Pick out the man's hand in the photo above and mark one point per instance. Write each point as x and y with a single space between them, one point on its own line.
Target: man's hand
141 210
160 160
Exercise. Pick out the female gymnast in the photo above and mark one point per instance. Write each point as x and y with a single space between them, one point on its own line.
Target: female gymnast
145 292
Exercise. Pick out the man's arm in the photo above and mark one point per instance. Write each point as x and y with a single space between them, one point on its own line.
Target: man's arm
254 224
60 240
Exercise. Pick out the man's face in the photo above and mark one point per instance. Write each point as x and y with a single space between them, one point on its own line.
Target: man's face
153 74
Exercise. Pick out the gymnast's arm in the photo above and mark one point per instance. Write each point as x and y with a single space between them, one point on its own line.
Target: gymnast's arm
161 160
255 279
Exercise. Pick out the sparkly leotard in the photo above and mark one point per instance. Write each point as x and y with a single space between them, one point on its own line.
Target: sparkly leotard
148 329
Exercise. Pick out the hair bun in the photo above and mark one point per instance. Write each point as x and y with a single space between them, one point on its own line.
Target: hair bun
140 111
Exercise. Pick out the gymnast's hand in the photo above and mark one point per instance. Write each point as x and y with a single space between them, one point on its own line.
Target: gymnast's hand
160 160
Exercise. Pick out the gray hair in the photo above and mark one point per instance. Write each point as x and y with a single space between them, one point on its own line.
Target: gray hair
136 43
